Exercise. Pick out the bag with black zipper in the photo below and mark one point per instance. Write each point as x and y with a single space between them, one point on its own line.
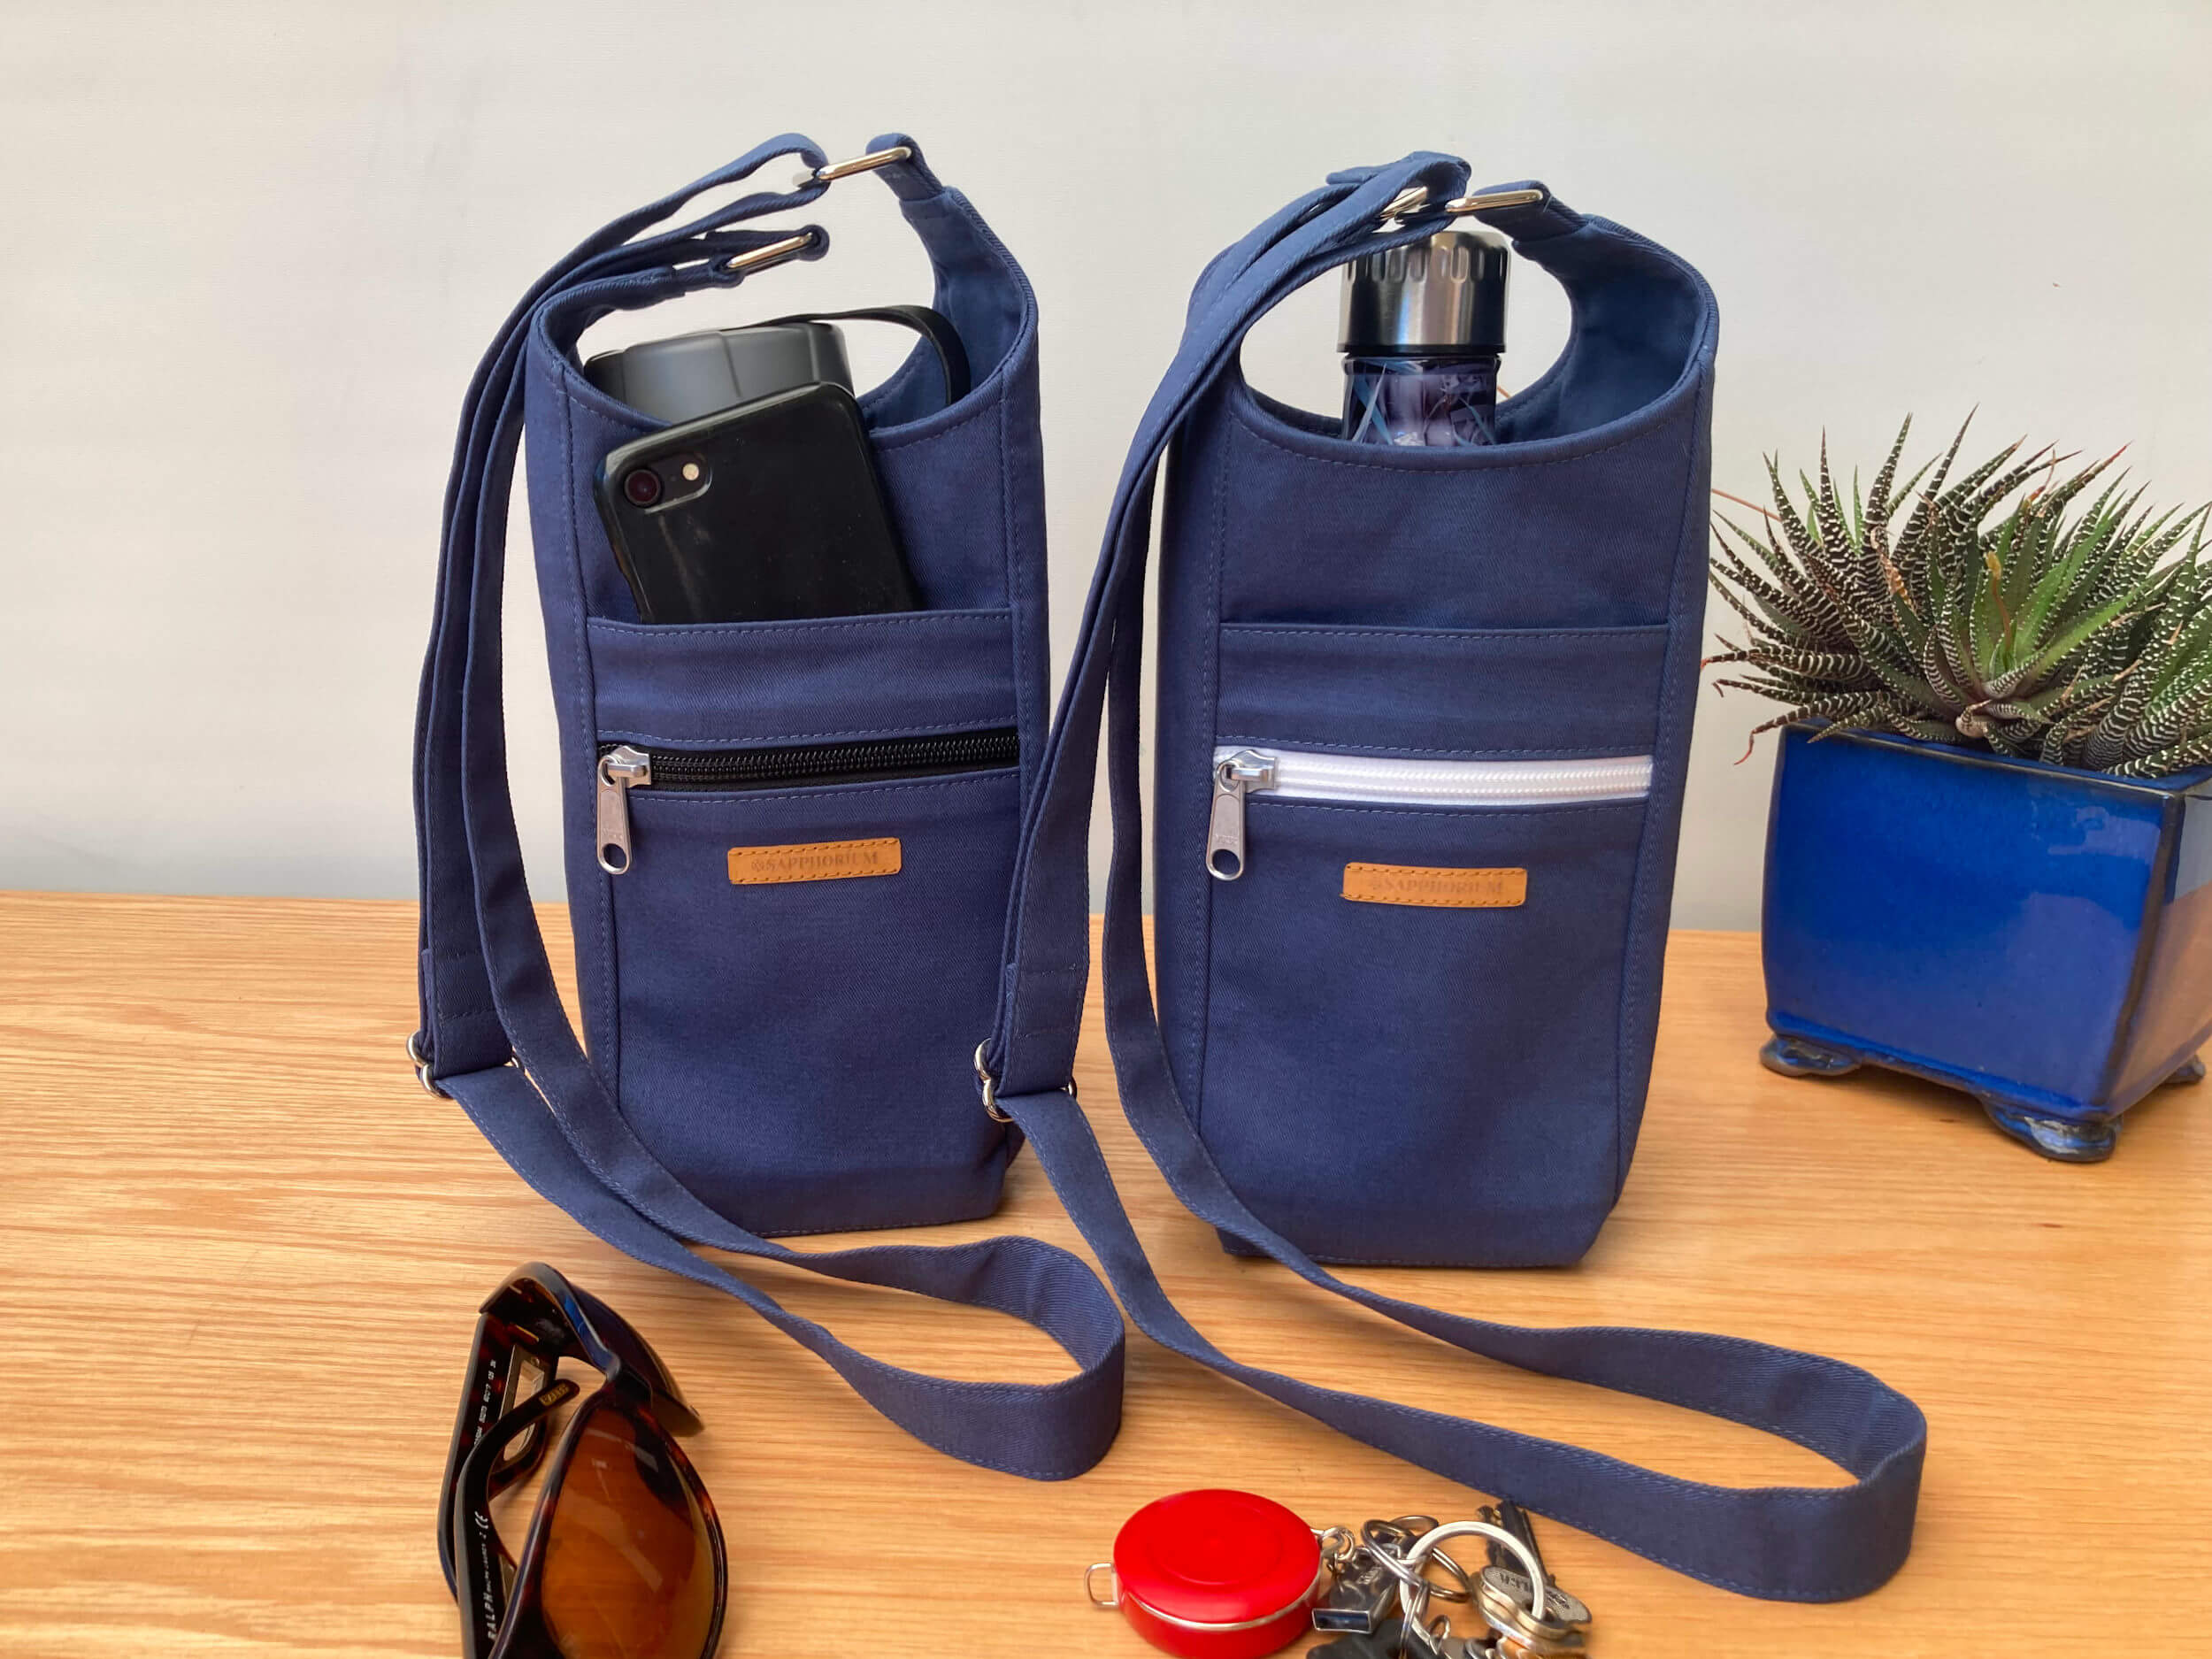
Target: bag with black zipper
1427 648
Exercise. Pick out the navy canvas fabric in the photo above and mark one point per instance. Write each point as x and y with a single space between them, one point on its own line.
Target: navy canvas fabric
796 1075
1387 1084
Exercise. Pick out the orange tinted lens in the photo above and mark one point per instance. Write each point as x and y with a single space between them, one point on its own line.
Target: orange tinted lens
629 1563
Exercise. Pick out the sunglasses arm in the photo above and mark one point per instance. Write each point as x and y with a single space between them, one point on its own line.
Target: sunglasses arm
473 1542
502 1354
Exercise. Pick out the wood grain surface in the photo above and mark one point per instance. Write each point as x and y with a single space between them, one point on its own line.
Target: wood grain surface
241 1253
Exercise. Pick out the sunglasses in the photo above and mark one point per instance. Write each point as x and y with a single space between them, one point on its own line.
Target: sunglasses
623 1556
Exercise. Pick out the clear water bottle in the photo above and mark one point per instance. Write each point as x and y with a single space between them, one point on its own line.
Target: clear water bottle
1422 329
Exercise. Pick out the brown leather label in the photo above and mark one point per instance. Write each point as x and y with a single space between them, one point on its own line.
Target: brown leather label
814 861
1440 888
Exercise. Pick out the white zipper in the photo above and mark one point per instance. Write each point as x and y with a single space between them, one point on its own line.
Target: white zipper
1297 775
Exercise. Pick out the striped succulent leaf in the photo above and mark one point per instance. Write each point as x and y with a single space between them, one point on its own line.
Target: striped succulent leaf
2004 607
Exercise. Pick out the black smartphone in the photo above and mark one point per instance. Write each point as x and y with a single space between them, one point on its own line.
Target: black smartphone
767 511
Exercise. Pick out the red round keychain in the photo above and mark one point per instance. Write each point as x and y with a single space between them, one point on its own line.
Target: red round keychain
1215 1574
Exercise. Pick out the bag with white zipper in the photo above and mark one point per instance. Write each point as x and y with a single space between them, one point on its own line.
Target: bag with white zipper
1422 721
1421 728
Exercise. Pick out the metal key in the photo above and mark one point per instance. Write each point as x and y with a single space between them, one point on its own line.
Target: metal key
1514 1518
1503 1596
1505 1599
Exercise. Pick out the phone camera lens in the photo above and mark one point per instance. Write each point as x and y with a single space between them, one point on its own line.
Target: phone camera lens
643 486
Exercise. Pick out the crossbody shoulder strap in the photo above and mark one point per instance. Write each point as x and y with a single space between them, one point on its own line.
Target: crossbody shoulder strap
1800 1543
495 1036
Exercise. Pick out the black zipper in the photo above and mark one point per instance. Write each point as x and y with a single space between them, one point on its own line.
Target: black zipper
874 758
626 767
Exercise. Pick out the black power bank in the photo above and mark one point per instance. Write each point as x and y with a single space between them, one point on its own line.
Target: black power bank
768 510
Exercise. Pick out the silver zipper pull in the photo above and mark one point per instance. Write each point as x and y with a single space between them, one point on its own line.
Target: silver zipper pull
621 769
1233 775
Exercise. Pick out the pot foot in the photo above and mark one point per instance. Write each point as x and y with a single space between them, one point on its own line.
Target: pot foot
2189 1070
1794 1056
2055 1138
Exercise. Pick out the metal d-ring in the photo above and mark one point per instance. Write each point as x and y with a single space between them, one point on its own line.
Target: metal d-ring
990 1087
990 1100
1540 1588
830 173
421 1062
1104 1604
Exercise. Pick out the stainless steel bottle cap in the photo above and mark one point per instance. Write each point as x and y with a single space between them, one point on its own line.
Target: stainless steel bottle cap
1441 297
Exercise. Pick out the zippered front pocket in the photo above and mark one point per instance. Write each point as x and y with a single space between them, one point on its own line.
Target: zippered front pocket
1413 994
804 972
623 767
1296 775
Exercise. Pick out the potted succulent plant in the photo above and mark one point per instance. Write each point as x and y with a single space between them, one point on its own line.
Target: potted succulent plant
1989 849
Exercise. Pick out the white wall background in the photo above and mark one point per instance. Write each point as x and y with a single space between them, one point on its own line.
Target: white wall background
251 251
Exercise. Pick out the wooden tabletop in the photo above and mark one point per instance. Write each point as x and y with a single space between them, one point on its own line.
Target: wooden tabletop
241 1253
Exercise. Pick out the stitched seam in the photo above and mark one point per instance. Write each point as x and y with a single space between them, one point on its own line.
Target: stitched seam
1651 1477
1796 1496
1245 423
1632 970
735 744
1534 636
998 1133
845 792
1024 721
991 617
954 426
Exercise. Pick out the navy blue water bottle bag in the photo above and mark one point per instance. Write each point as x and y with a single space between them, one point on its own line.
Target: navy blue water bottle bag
1422 722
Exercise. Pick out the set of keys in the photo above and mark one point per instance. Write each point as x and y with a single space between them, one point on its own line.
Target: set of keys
1220 1574
1385 1583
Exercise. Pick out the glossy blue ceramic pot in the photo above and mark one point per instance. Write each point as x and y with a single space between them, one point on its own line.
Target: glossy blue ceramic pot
2039 936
